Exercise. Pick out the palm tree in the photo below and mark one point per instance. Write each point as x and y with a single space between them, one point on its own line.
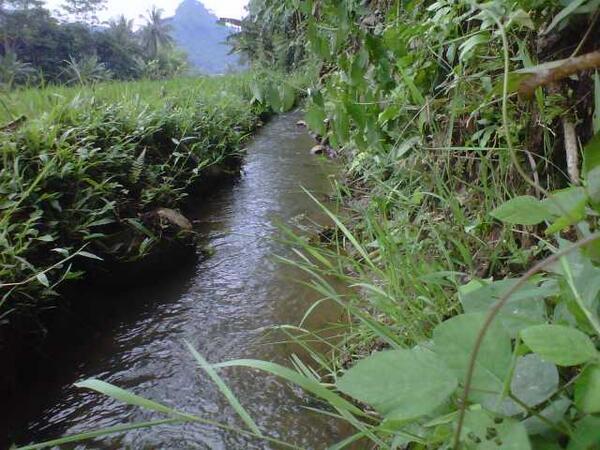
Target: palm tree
156 33
121 29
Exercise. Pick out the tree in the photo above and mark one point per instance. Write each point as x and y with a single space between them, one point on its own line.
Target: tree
119 48
84 10
23 4
156 33
121 29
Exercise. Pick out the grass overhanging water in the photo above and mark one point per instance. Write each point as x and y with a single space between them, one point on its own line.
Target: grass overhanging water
96 172
468 236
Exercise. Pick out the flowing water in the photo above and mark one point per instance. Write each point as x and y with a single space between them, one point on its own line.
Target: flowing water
221 305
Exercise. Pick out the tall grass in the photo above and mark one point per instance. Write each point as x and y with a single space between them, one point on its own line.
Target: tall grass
83 169
470 255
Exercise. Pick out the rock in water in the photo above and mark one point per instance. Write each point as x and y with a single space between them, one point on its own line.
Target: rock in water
318 150
175 218
301 123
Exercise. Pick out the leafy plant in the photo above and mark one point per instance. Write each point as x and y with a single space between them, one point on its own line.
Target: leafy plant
470 255
85 71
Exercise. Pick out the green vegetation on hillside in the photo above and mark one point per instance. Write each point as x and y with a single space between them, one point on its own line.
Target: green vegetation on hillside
197 31
37 49
469 234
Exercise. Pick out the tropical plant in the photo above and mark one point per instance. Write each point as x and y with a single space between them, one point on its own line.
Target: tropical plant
467 226
84 168
85 71
12 70
84 10
156 34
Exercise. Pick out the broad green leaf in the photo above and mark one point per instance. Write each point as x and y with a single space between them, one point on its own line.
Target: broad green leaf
534 381
43 279
400 384
586 277
544 443
591 156
574 215
135 223
89 255
341 124
520 18
552 413
257 92
568 205
453 342
591 168
586 435
390 113
524 210
564 199
483 431
587 390
406 146
319 44
100 222
288 97
46 238
273 98
357 70
562 345
315 117
471 43
524 308
415 93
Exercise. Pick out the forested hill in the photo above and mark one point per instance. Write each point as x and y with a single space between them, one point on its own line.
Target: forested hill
197 32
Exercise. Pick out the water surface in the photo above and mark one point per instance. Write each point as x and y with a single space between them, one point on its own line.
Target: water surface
221 305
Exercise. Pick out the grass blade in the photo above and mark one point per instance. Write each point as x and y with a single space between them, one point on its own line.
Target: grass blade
233 401
98 433
307 384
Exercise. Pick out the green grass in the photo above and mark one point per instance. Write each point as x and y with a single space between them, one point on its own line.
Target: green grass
81 173
469 258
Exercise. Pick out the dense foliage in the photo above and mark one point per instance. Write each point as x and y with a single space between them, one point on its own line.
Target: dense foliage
468 233
37 48
477 318
87 170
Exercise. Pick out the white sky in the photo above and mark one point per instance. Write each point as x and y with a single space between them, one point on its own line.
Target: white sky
132 9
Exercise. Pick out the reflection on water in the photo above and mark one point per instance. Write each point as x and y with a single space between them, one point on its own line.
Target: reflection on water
220 307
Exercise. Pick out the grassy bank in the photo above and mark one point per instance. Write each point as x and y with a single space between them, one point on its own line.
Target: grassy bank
471 210
86 171
469 233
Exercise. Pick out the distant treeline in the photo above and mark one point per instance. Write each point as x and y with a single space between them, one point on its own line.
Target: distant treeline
38 48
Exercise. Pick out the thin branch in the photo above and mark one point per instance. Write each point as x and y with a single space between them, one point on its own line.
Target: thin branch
492 315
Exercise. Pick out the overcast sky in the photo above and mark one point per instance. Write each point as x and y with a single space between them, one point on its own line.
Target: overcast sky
134 8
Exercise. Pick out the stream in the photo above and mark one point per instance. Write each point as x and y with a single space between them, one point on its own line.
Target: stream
221 304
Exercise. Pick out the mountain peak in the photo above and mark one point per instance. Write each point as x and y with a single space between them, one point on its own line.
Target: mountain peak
196 31
193 4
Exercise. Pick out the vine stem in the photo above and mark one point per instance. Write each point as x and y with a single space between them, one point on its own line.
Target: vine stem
492 315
